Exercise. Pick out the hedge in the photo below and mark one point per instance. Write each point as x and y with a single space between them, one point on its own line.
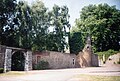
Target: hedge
1 70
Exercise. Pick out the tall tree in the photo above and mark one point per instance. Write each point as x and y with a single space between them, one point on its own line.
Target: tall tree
75 41
59 22
41 23
102 22
8 22
24 30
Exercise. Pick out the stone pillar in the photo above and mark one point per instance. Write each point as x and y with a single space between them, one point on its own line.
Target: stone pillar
87 52
88 56
7 62
28 61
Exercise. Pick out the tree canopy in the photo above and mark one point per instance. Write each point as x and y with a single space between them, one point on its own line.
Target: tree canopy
29 26
38 28
8 22
102 22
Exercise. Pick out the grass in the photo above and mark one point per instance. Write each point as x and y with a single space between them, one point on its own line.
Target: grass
96 78
13 73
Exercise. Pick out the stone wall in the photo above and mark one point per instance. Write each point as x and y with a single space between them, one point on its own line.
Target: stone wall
29 60
56 60
7 61
86 58
59 60
2 56
113 59
6 57
95 61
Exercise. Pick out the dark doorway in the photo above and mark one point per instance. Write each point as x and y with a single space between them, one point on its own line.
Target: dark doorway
18 61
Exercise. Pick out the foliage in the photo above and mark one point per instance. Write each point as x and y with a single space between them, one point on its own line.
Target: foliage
25 26
102 22
41 65
1 70
59 23
76 43
8 22
43 21
24 29
40 20
106 53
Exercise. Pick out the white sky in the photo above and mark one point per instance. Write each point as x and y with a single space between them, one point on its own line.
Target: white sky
75 6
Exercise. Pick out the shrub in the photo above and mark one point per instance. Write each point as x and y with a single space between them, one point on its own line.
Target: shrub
118 61
1 70
41 65
106 53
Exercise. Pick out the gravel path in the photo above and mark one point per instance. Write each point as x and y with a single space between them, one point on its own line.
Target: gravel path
62 74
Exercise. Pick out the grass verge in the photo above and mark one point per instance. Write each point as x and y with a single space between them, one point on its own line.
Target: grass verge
13 73
96 78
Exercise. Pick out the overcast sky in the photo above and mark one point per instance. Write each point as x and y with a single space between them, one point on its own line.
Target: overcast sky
75 6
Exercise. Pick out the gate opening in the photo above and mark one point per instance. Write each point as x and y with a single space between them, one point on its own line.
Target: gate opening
18 61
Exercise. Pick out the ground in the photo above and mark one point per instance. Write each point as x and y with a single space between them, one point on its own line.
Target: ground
74 74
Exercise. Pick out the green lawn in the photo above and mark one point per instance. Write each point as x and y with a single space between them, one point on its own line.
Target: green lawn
96 78
12 73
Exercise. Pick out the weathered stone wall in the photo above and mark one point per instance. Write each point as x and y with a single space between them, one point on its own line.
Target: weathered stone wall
56 59
6 57
66 60
2 56
87 58
7 62
95 61
113 59
29 60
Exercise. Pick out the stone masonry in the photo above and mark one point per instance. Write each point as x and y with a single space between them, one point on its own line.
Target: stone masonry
6 57
87 58
56 60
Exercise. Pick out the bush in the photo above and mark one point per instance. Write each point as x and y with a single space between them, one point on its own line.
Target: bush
41 65
106 53
118 62
1 70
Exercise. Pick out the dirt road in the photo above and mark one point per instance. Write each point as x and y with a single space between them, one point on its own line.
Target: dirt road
60 74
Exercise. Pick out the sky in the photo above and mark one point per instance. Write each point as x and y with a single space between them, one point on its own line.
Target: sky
75 6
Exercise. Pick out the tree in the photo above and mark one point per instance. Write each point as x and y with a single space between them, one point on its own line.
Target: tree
24 35
41 23
76 43
8 22
59 22
25 26
102 22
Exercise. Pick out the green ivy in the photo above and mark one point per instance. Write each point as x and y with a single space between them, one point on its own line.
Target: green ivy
1 70
106 53
41 65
